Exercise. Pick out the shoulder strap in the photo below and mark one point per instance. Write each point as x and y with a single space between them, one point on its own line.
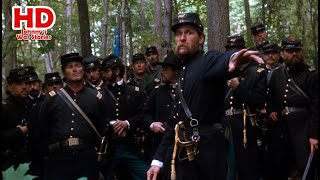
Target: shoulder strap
111 94
145 83
183 102
193 122
297 89
75 108
227 94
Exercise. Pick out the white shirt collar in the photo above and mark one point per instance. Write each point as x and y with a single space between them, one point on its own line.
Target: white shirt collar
118 82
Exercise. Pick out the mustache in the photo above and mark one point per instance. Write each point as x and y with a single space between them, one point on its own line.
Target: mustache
34 91
24 91
182 45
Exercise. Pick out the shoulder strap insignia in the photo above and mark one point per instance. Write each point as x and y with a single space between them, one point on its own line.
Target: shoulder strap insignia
260 70
99 95
156 87
52 93
157 80
311 68
136 88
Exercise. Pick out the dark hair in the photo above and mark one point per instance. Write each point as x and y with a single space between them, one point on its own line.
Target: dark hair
121 68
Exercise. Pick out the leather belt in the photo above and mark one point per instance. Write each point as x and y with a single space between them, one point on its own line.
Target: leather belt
70 142
231 112
287 110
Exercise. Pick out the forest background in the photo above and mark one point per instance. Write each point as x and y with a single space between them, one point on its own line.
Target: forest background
125 27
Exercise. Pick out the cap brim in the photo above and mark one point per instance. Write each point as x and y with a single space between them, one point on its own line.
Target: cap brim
151 52
73 59
11 80
91 67
268 50
296 47
257 31
56 80
174 27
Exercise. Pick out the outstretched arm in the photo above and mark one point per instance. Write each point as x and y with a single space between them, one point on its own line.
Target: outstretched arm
242 57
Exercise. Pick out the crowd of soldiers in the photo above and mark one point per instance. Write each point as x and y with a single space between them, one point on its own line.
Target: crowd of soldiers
246 113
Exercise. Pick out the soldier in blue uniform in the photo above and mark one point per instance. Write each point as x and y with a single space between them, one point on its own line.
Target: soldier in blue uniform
245 94
52 82
34 90
153 58
142 80
106 71
271 55
162 101
202 85
292 105
259 35
67 139
235 43
92 67
125 103
15 112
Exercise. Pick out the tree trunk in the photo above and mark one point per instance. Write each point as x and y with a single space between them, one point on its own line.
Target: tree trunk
167 21
218 23
10 44
314 28
246 4
313 23
104 42
84 28
157 18
142 21
301 20
123 32
263 11
176 11
130 32
48 62
69 26
130 47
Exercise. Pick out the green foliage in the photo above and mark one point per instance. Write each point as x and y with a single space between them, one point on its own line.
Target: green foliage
83 178
281 18
19 173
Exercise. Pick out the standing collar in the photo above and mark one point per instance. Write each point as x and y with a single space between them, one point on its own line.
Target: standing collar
118 82
38 96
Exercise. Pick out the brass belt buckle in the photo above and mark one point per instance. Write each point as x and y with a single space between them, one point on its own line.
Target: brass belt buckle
73 141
